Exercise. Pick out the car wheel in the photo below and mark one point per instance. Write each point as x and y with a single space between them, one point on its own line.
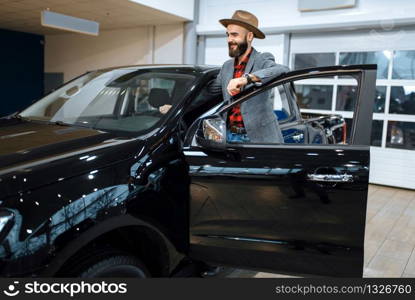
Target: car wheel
116 266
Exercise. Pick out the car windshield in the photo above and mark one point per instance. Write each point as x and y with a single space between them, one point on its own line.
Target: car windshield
132 100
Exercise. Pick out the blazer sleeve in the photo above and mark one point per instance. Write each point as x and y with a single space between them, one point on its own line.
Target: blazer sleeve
215 86
269 69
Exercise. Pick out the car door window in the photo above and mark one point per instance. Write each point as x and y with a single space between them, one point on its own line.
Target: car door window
306 110
282 106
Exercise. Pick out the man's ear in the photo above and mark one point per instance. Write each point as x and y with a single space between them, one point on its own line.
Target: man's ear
250 36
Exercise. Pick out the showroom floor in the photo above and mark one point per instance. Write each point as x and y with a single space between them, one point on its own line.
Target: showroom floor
390 235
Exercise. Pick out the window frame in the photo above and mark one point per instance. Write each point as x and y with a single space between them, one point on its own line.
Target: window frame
388 83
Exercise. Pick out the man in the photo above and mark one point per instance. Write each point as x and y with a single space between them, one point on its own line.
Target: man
141 99
254 120
141 96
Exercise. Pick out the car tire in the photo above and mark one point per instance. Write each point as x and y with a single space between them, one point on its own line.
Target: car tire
122 266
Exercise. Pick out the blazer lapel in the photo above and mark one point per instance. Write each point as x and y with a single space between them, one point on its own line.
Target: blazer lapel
228 75
251 60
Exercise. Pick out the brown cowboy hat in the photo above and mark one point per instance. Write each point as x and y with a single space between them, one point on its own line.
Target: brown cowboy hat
245 19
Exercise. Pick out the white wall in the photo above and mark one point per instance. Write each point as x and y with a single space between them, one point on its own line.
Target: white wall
168 44
74 54
393 167
181 8
401 38
283 15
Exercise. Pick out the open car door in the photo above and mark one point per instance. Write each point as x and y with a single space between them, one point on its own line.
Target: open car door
286 208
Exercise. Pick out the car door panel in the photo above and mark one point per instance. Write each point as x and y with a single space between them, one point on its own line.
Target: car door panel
297 209
266 202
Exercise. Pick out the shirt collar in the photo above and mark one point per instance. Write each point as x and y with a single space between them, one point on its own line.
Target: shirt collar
245 60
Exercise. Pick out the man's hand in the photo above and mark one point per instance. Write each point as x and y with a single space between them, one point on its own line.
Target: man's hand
164 109
235 85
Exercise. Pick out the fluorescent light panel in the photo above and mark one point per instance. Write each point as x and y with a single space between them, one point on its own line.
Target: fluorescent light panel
316 5
68 23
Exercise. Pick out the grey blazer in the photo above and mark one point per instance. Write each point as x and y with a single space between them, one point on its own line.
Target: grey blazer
260 121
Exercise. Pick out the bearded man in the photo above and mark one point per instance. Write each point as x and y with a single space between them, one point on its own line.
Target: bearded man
254 120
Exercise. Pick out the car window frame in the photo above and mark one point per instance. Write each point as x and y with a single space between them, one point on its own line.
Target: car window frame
356 71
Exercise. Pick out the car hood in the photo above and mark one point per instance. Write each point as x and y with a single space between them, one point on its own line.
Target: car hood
31 153
22 141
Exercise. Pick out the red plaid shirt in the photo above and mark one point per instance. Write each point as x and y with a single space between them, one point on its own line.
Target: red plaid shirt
235 116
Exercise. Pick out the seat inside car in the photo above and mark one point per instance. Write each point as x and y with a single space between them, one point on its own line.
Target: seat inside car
159 97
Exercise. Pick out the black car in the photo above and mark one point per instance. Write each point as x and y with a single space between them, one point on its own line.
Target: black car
96 181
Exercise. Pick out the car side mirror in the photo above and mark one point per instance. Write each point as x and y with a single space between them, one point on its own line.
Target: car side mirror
211 133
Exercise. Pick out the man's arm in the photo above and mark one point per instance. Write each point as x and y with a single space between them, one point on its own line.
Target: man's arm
215 86
268 70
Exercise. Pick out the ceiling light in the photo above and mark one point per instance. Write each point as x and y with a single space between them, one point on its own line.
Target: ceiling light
64 22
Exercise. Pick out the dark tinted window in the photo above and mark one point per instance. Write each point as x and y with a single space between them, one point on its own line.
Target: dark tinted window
402 100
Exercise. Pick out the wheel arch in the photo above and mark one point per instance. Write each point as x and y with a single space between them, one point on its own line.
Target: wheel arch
148 236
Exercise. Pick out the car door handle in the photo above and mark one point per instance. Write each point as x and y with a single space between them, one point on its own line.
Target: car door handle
330 177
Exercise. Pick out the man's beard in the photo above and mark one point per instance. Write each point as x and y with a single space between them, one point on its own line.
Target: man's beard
239 50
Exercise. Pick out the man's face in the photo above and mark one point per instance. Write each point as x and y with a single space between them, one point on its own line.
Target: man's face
238 40
143 87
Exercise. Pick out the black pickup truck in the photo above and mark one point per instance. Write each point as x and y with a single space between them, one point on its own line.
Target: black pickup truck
126 172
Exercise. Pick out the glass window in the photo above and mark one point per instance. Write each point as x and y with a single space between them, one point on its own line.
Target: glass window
268 108
347 95
402 100
377 129
401 135
130 100
103 104
161 83
381 58
261 124
314 96
281 104
309 60
404 65
379 104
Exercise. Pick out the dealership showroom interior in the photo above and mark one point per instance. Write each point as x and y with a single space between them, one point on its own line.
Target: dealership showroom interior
207 138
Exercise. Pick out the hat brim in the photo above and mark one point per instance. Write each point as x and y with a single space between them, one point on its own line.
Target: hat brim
257 33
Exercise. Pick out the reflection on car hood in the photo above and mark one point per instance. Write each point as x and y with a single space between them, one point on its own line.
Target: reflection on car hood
24 141
34 155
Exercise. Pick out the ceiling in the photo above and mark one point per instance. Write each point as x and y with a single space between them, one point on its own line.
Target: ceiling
24 15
